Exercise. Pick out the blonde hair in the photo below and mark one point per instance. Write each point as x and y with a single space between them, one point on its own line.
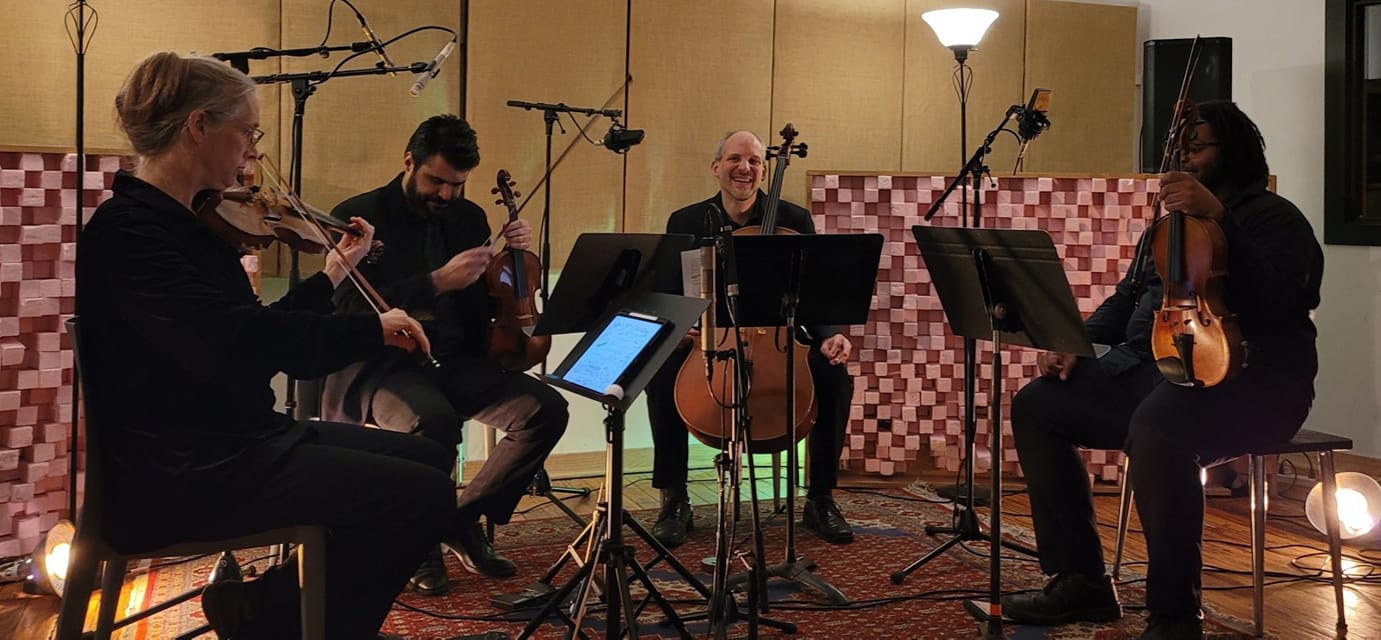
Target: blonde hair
153 105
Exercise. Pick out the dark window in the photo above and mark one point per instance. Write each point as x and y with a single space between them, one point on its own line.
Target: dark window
1352 128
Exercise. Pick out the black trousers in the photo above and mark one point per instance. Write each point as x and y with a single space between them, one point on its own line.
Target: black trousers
435 405
384 499
834 390
1169 432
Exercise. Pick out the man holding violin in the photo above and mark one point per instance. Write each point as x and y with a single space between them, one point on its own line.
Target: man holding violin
1169 431
436 247
739 165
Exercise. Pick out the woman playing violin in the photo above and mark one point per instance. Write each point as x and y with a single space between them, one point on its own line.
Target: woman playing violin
436 250
1169 431
179 354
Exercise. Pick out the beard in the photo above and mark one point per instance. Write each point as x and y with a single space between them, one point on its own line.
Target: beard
420 204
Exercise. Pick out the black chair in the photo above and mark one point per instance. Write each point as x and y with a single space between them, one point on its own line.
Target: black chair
1322 445
90 548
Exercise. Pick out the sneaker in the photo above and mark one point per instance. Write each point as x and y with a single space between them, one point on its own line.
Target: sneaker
1068 597
1161 628
821 515
472 547
430 579
674 521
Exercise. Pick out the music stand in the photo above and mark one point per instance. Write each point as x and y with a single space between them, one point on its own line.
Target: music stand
1007 286
796 280
615 270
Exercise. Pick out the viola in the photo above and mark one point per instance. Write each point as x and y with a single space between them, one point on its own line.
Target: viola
253 217
705 406
1195 340
513 276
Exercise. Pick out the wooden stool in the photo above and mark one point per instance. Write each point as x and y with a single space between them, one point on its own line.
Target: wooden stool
1322 445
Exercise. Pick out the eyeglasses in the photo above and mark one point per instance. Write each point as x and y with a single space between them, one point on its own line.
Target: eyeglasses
252 133
1196 148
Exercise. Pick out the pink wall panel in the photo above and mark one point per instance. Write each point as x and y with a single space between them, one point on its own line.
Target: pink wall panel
909 391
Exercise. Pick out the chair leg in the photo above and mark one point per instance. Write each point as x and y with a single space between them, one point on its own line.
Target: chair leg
1335 543
1124 512
311 579
1257 472
111 584
777 481
76 596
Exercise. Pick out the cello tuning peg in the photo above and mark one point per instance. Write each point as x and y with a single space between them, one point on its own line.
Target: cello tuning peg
499 201
495 190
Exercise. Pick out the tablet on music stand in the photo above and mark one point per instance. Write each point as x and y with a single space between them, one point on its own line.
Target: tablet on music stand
603 363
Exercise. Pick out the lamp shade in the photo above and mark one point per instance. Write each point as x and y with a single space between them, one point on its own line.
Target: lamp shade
48 564
960 28
1359 505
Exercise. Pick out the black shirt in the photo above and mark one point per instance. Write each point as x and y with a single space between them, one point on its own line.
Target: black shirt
179 352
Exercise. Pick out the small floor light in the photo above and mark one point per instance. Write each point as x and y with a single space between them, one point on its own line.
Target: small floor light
48 564
1359 505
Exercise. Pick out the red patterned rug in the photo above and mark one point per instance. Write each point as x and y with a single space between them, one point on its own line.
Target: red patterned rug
889 533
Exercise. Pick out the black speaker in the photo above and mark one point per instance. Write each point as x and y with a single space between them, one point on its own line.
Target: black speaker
1164 63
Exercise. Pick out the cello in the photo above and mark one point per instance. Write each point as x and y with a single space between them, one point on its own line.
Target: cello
704 404
1195 339
514 276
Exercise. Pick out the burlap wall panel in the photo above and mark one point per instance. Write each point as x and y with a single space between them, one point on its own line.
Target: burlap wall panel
38 97
696 75
1086 53
355 128
931 112
538 51
837 76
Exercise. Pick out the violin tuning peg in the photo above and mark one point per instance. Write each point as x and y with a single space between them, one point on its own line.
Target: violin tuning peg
495 190
517 194
499 201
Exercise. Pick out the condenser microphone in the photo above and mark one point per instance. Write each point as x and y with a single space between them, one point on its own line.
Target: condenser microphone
374 40
432 69
1032 121
708 289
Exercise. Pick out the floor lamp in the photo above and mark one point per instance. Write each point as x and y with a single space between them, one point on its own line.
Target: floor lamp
961 30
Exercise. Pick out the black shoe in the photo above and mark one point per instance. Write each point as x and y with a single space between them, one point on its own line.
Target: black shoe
430 579
226 605
1068 597
477 555
821 515
674 521
1161 628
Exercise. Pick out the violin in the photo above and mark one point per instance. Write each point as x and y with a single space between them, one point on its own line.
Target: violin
253 217
707 413
1195 340
514 276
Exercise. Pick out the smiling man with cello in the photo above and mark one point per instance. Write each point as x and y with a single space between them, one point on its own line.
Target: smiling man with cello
739 167
437 249
1123 399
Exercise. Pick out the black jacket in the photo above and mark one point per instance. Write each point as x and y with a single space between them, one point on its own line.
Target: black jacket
701 221
179 352
414 244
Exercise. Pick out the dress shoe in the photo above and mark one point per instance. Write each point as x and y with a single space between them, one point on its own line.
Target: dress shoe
1160 628
1068 597
674 521
477 555
227 607
430 579
821 515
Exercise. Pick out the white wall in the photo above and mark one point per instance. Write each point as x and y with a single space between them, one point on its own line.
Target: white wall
1278 80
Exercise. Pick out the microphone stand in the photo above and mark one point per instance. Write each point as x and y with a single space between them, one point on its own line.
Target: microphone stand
966 523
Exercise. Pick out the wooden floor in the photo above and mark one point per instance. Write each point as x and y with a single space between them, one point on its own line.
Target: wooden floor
1295 609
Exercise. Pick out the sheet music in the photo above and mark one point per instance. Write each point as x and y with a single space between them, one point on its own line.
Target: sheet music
616 347
690 272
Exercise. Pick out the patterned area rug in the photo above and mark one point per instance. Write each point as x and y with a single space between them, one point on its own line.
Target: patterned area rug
889 533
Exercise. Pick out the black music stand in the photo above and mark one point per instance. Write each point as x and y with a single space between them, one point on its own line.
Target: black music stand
797 280
607 273
1007 286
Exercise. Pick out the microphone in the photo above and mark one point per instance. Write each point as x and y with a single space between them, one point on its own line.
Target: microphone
724 246
1031 119
620 138
432 69
707 290
374 40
